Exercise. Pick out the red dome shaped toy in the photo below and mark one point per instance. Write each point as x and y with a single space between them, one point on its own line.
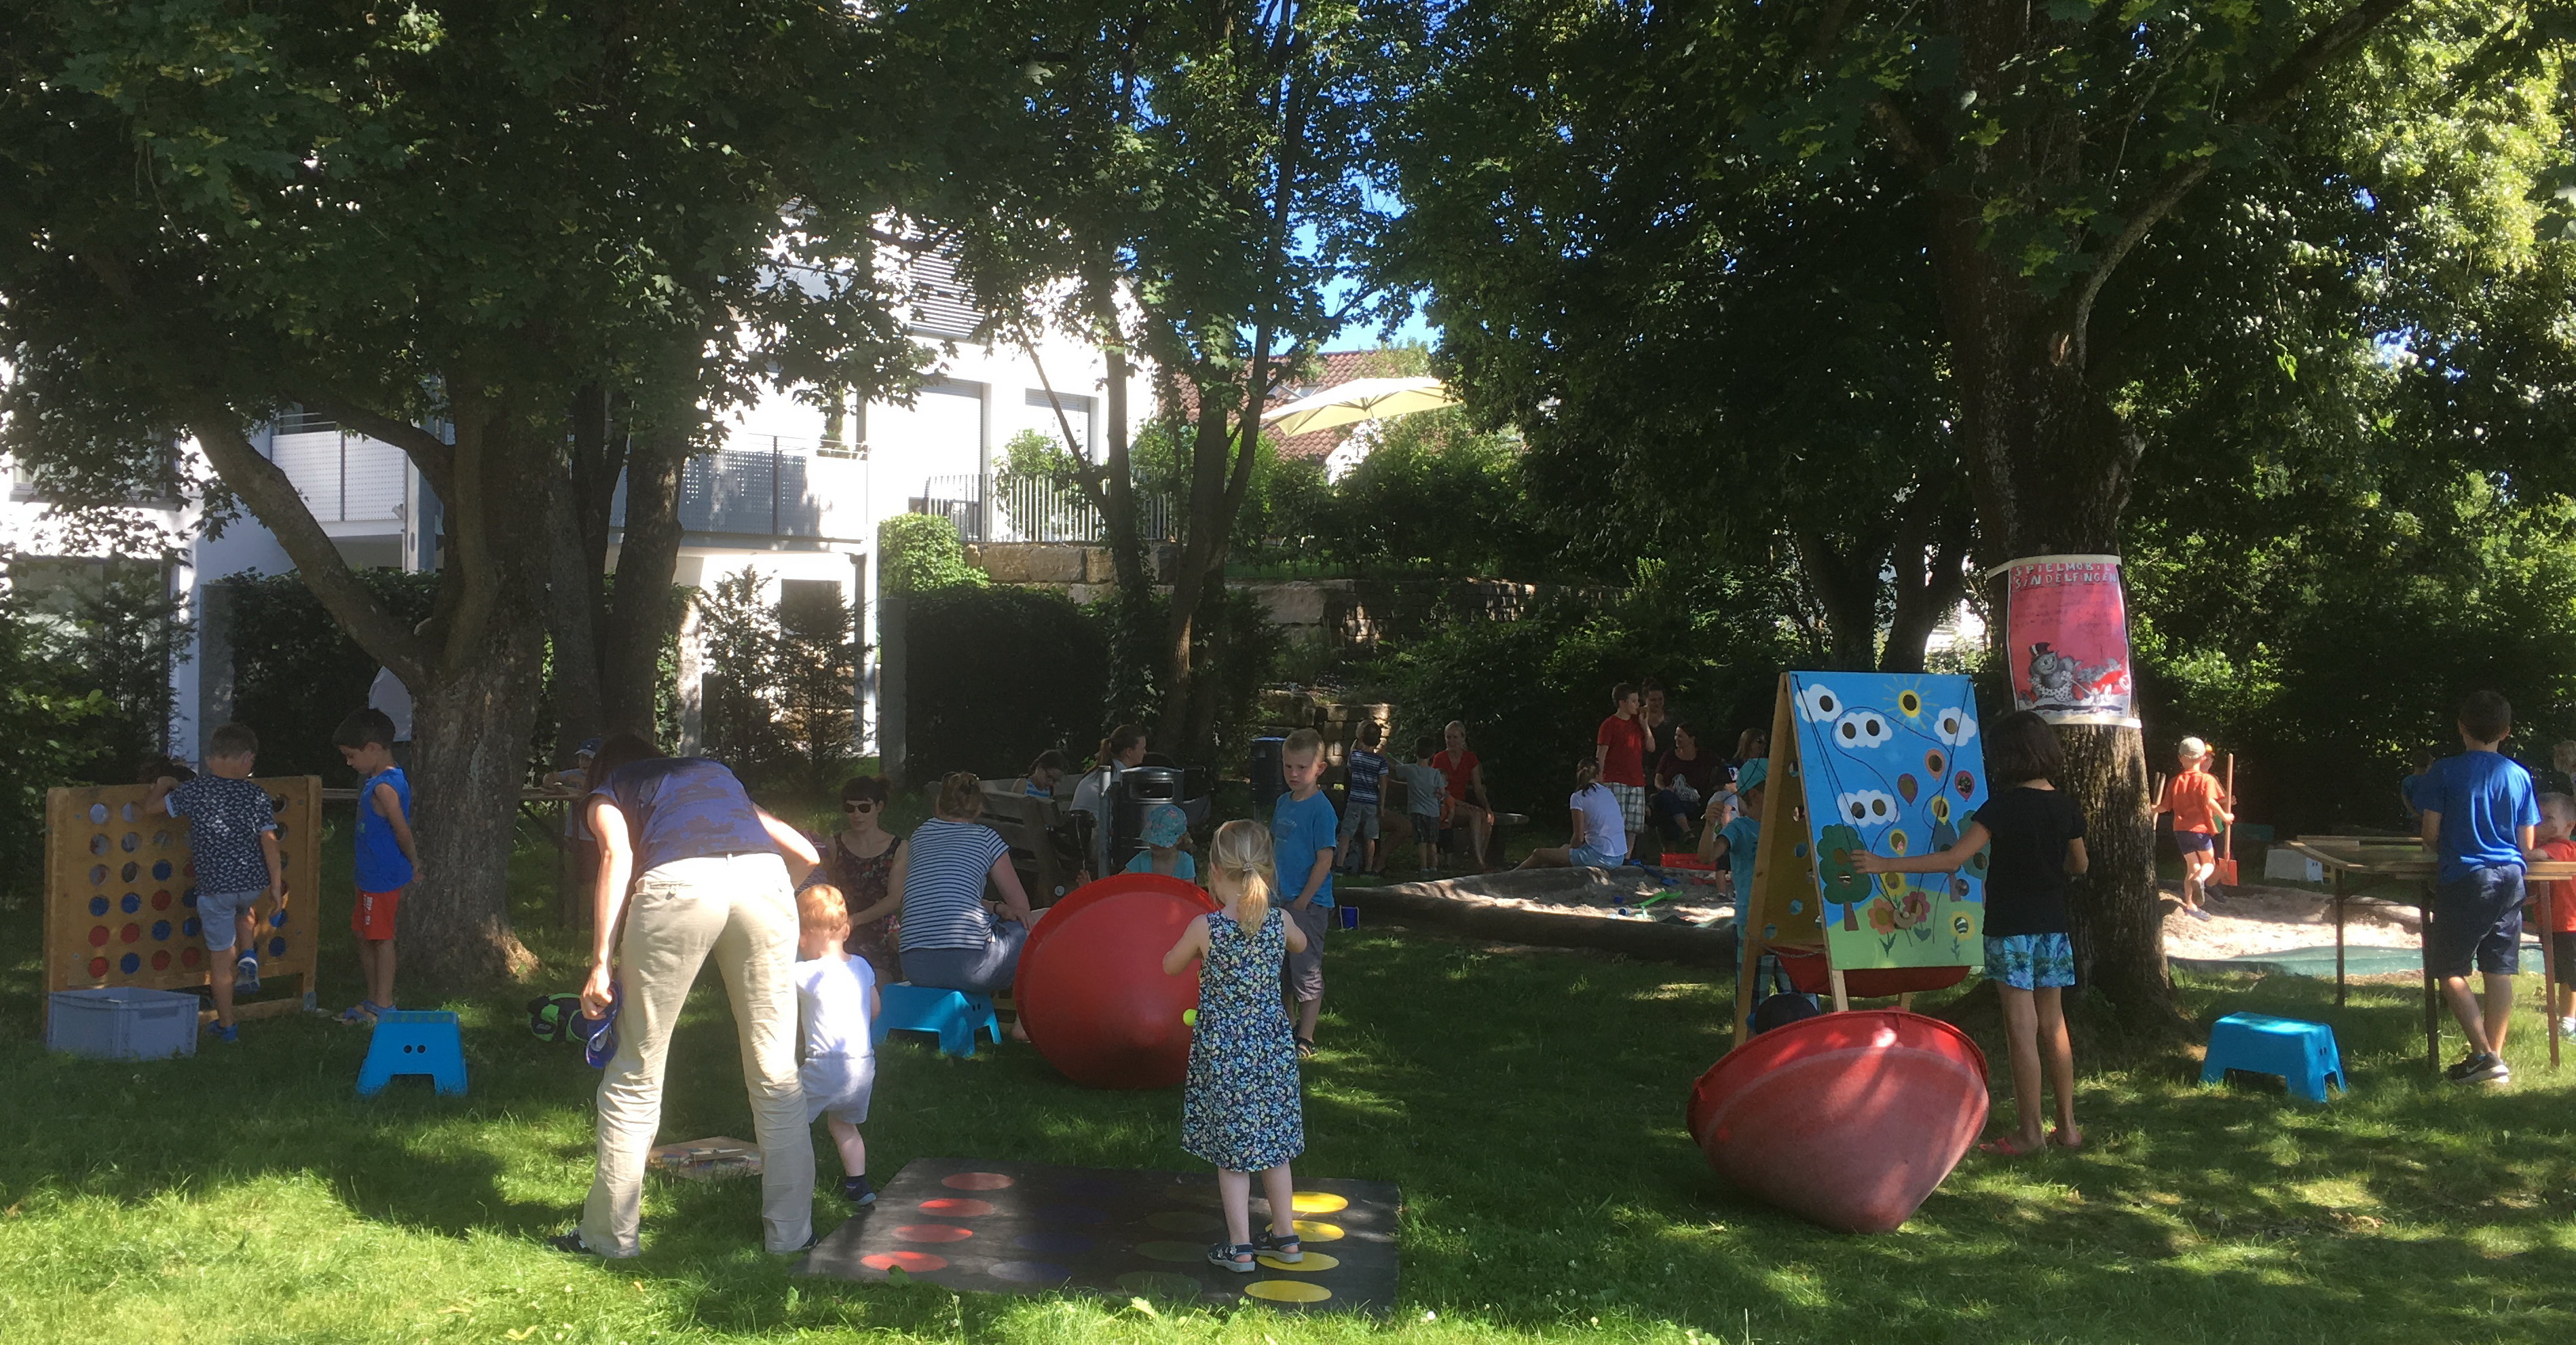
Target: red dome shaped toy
1848 1120
1091 987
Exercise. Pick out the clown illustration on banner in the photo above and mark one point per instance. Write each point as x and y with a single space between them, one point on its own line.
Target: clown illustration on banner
2067 632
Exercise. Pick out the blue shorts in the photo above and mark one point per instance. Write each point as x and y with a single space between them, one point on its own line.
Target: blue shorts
220 915
1585 857
2477 920
2195 842
2030 961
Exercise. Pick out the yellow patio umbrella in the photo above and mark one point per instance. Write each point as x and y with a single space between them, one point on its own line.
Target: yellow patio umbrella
1355 401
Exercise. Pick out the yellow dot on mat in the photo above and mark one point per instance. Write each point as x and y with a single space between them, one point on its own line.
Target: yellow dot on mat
1318 1202
1308 1264
1288 1291
1318 1232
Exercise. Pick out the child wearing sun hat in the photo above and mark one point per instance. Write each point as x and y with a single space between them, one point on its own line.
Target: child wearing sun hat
1164 830
2198 806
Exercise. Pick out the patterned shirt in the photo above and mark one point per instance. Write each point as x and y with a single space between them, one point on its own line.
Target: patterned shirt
225 821
1366 768
684 808
943 884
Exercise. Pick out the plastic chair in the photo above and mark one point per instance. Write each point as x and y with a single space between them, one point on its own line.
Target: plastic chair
953 1014
414 1042
2303 1054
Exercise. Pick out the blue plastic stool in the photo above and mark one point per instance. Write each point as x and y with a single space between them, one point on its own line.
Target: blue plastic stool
2303 1054
953 1014
414 1042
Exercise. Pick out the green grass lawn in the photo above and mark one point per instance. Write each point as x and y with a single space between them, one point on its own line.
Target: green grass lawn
1529 1104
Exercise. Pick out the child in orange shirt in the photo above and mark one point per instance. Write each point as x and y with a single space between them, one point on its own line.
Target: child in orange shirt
2198 805
2557 819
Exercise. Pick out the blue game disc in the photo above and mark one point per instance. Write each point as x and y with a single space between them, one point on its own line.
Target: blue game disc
98 906
160 930
130 903
277 948
128 963
190 927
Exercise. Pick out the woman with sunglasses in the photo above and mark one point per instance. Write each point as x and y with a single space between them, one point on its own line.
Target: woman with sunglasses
862 862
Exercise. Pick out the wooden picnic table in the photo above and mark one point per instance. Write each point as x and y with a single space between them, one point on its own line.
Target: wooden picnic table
2403 857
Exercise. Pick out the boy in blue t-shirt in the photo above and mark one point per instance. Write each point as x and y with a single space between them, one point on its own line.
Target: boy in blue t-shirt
388 859
232 844
2481 821
1365 768
1304 835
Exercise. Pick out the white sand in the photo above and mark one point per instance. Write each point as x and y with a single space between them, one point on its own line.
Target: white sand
2256 919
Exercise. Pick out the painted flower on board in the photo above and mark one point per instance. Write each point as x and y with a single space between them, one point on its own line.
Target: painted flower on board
1882 916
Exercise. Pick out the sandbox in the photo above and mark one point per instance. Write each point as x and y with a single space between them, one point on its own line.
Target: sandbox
1569 908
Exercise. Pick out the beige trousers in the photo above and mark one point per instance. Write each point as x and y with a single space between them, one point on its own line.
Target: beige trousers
740 909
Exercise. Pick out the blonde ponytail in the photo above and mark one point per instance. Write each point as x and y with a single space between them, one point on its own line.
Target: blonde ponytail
1240 858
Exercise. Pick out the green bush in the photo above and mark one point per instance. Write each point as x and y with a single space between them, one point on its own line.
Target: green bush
50 735
296 674
778 685
921 553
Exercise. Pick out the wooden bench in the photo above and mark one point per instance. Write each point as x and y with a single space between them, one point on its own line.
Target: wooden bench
1045 845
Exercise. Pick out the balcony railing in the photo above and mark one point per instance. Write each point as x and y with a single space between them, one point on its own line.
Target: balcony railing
1026 509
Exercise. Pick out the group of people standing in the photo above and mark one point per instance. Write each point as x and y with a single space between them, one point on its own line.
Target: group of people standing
1648 775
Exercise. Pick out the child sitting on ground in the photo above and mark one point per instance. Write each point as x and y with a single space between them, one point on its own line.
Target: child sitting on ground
1739 837
1165 828
232 838
1598 837
2039 841
387 860
2198 805
2480 821
836 1002
2557 820
1242 1109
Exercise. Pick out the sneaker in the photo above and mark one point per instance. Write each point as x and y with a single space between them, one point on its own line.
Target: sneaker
221 1032
1227 1256
2479 1067
2197 912
857 1191
570 1241
2567 1028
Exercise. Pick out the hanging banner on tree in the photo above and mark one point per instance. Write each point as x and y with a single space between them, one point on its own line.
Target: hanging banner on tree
2066 632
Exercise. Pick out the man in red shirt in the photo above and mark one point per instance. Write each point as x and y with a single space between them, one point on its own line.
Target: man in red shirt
1619 749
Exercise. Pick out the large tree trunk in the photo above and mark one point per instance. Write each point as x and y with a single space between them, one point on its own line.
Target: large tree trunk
2050 464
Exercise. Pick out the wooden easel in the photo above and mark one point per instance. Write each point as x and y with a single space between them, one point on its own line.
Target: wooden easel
1782 875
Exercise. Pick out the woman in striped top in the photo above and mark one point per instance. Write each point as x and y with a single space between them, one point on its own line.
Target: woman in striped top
951 940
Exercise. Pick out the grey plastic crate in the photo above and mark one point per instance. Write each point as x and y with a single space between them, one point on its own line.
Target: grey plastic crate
121 1022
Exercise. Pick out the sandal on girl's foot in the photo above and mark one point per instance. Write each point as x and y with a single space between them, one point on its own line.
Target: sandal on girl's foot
363 1012
2004 1146
1231 1256
1284 1250
1305 1047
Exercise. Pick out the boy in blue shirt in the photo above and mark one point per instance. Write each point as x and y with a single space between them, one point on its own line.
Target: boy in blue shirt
1365 768
388 859
2480 820
1304 835
1739 838
232 843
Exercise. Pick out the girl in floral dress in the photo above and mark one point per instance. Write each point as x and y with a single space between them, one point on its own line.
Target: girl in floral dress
1241 1109
861 859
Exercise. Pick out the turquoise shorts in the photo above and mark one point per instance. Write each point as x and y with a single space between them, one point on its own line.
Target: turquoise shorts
2030 961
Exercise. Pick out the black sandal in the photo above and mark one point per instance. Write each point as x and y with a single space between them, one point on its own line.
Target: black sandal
1282 1249
1234 1257
1305 1047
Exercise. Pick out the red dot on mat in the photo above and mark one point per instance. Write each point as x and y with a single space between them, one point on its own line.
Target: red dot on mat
932 1232
161 960
957 1209
98 936
190 957
97 968
132 934
908 1261
975 1181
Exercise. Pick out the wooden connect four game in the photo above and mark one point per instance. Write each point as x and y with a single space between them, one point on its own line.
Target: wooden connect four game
121 896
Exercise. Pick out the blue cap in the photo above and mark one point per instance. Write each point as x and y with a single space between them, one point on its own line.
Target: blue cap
1164 825
1751 774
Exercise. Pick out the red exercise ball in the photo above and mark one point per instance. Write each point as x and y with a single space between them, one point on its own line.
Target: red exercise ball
1091 987
1848 1120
